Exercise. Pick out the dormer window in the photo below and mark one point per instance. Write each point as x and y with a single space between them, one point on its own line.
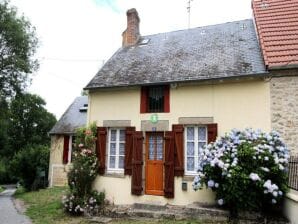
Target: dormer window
155 99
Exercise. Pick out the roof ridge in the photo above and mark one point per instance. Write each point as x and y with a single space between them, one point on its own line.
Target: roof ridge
194 28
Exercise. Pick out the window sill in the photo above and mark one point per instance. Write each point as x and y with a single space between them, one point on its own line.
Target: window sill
114 174
188 177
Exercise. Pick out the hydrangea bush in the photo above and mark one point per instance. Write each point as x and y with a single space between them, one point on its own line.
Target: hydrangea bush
81 198
246 169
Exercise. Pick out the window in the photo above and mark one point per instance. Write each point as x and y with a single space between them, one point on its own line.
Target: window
67 148
155 99
195 140
116 149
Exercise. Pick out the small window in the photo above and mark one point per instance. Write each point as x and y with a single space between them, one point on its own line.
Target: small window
195 140
155 99
116 150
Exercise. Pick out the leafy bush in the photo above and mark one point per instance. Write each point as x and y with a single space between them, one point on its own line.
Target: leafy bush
82 174
246 169
28 164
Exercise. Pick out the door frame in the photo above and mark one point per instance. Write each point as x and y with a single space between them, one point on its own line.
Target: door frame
150 192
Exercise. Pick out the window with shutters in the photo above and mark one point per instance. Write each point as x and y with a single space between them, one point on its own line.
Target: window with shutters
195 140
116 150
155 99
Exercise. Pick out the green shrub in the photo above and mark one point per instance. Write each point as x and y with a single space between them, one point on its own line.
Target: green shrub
82 174
246 169
30 165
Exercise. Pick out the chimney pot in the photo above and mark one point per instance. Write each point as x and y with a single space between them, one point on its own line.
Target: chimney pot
132 33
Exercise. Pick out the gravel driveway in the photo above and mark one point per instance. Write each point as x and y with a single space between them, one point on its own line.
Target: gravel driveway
8 212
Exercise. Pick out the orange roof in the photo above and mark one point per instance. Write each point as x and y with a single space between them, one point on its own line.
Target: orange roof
277 27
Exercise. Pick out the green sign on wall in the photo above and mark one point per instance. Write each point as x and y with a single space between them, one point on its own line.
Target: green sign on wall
154 118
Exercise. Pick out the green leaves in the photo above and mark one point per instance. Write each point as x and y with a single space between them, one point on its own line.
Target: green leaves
18 44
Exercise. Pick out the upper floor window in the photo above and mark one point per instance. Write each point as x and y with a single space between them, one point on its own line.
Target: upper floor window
116 149
195 140
155 99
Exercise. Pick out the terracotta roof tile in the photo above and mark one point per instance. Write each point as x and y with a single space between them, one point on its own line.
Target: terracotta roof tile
277 26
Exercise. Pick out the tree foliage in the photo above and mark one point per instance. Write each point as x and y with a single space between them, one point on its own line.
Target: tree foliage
18 44
29 163
30 122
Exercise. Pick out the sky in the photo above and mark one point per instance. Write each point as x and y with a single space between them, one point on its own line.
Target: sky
78 36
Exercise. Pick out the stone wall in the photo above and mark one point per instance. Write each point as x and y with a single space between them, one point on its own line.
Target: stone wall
284 107
57 170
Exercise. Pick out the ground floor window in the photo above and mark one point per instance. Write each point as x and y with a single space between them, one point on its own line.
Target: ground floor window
195 140
116 149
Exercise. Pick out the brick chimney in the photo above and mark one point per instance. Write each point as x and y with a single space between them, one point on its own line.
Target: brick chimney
132 33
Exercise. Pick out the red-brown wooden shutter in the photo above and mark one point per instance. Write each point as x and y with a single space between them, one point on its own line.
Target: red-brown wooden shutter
137 163
144 97
128 150
65 149
169 164
212 132
167 99
179 152
101 148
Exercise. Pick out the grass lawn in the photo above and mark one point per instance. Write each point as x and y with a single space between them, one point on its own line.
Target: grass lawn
44 207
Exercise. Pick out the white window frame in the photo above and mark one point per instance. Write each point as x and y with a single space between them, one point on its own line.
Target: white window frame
116 169
196 146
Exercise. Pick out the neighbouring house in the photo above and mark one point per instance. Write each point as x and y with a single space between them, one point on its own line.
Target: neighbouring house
161 98
277 27
62 140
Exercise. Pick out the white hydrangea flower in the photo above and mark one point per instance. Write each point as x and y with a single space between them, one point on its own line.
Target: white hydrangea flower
254 177
220 201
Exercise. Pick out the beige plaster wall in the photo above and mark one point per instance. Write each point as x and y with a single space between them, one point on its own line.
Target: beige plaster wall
231 105
284 108
57 170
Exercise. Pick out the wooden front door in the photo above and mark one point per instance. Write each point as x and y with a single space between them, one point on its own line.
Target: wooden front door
154 163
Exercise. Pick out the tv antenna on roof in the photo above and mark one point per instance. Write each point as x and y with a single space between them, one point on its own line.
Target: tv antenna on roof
188 10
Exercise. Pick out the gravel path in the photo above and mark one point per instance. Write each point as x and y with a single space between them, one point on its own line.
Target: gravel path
8 212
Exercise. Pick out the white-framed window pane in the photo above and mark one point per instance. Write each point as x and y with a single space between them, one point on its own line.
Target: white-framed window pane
195 141
121 162
113 135
116 150
190 148
122 135
190 133
190 163
202 133
113 149
201 146
112 161
121 148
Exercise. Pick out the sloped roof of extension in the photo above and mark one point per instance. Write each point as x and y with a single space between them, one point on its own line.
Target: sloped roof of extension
277 26
203 53
74 117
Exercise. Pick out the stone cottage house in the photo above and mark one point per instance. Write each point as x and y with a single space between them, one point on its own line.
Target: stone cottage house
62 139
161 98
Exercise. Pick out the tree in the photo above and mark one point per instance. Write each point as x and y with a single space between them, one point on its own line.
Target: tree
30 122
18 44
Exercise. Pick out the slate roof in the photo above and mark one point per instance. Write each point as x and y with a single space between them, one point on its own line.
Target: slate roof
277 26
203 53
72 118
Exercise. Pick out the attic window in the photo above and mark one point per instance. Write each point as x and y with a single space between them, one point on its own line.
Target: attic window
84 108
144 41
